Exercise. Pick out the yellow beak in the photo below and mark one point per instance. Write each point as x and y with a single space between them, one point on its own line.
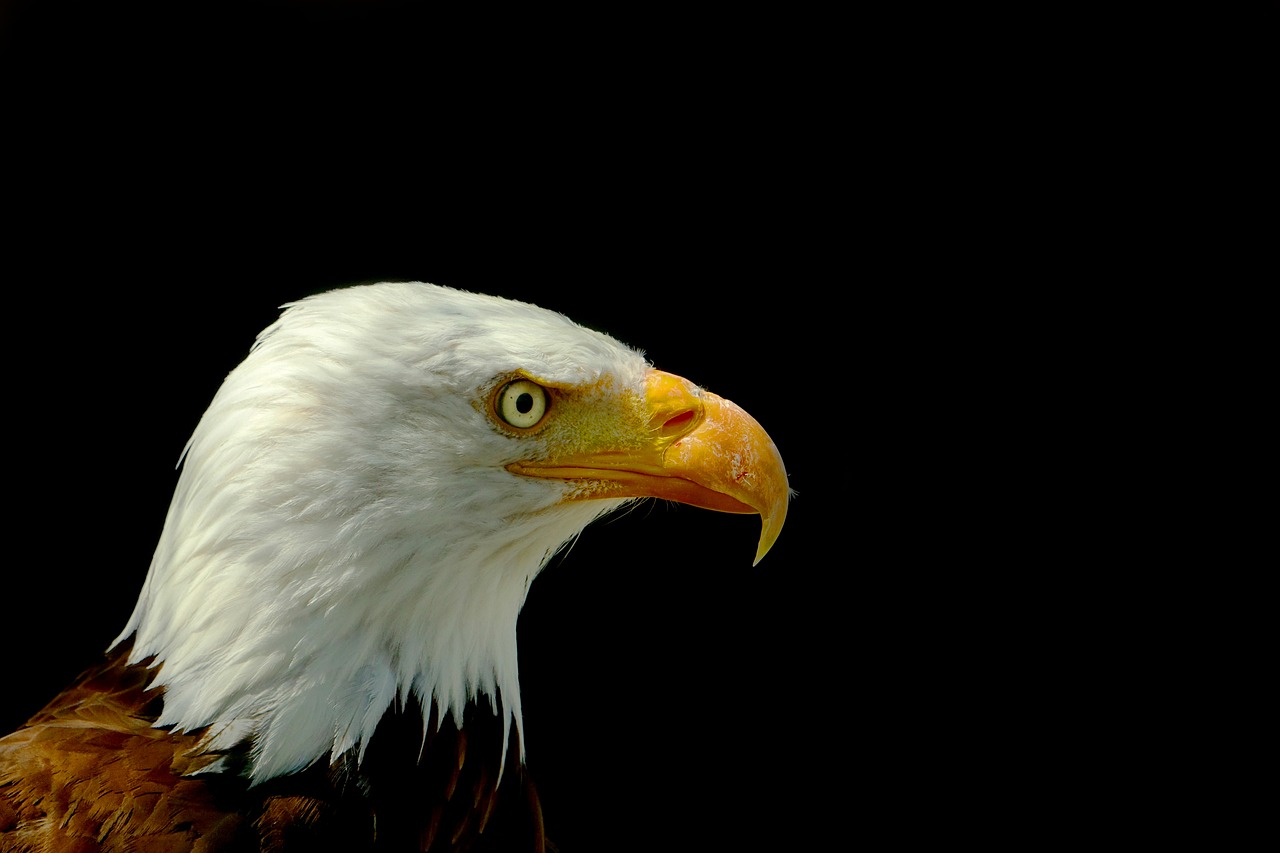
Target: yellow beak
698 449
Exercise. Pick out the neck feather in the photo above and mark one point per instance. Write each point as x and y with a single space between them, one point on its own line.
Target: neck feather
301 651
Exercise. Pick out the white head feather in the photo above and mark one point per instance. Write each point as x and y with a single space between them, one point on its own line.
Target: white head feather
344 533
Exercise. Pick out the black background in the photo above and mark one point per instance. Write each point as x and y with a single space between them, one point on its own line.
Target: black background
920 249
176 172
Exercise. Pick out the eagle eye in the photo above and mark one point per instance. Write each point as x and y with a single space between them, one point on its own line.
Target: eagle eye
521 403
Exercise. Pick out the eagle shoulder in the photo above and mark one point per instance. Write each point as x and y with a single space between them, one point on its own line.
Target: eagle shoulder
90 766
90 771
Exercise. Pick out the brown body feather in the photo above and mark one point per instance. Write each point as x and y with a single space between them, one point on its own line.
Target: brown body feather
90 772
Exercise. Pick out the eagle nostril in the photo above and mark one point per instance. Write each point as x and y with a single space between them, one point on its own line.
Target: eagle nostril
677 424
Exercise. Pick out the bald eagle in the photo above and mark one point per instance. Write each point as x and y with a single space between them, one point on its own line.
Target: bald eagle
323 653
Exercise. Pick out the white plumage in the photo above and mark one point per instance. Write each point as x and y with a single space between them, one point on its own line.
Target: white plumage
344 531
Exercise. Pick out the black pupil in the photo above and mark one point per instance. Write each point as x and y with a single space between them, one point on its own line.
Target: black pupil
524 403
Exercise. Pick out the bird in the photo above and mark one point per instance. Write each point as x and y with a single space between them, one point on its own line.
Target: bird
323 653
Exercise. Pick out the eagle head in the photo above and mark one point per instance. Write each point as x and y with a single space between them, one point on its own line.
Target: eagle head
370 493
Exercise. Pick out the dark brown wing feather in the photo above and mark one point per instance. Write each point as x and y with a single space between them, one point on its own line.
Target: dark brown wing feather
89 772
